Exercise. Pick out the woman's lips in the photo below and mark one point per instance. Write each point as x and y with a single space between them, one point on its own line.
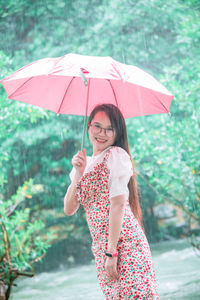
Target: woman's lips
100 141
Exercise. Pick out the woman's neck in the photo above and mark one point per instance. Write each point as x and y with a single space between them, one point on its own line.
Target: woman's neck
98 152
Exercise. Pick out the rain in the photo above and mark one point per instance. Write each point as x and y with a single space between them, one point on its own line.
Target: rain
45 253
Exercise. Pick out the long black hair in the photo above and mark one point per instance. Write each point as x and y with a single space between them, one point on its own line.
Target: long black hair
121 140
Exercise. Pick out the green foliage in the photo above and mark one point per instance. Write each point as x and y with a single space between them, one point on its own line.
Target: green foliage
23 240
159 36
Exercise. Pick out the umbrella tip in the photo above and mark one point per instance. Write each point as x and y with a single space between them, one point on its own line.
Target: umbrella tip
169 114
82 73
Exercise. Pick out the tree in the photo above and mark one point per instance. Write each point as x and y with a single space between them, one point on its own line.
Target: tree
162 38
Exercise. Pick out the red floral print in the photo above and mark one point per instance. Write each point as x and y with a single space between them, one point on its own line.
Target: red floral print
135 266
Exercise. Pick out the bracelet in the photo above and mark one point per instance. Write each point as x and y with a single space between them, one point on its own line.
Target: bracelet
111 254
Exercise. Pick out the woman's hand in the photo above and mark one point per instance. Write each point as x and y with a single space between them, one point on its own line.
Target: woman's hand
79 161
111 268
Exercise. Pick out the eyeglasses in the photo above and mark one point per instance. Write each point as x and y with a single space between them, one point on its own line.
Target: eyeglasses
96 129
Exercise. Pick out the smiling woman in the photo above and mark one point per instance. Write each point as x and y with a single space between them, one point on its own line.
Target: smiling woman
105 184
101 137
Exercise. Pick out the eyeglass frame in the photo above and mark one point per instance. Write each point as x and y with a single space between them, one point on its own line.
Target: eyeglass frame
105 129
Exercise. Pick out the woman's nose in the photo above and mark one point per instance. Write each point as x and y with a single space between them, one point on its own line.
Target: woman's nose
102 132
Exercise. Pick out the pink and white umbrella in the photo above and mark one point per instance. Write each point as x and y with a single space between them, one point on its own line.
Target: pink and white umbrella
56 84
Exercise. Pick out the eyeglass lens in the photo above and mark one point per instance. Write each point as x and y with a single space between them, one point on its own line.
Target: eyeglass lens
97 129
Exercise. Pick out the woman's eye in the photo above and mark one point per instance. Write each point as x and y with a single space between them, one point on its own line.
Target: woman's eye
97 126
110 129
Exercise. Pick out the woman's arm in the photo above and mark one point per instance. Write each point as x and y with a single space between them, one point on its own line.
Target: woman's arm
116 215
71 203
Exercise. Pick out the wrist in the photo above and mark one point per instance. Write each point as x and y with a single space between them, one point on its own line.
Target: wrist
78 174
111 247
111 254
111 250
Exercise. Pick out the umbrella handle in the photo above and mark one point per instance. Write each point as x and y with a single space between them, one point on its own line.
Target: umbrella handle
83 136
87 83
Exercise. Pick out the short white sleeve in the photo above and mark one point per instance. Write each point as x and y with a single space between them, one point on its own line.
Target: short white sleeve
121 170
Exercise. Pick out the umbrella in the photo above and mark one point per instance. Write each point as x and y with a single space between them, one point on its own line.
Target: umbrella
74 84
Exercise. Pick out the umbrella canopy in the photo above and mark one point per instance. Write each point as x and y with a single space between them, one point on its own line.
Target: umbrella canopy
56 84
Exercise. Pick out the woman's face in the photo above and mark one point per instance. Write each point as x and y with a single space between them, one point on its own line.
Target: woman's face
98 137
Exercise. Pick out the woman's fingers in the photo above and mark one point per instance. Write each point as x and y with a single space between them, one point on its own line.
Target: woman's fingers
79 159
112 273
113 276
81 155
78 156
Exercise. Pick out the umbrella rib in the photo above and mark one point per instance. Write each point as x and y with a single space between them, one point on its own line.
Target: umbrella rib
113 92
65 95
159 100
20 87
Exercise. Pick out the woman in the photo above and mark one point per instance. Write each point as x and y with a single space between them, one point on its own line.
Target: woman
105 184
